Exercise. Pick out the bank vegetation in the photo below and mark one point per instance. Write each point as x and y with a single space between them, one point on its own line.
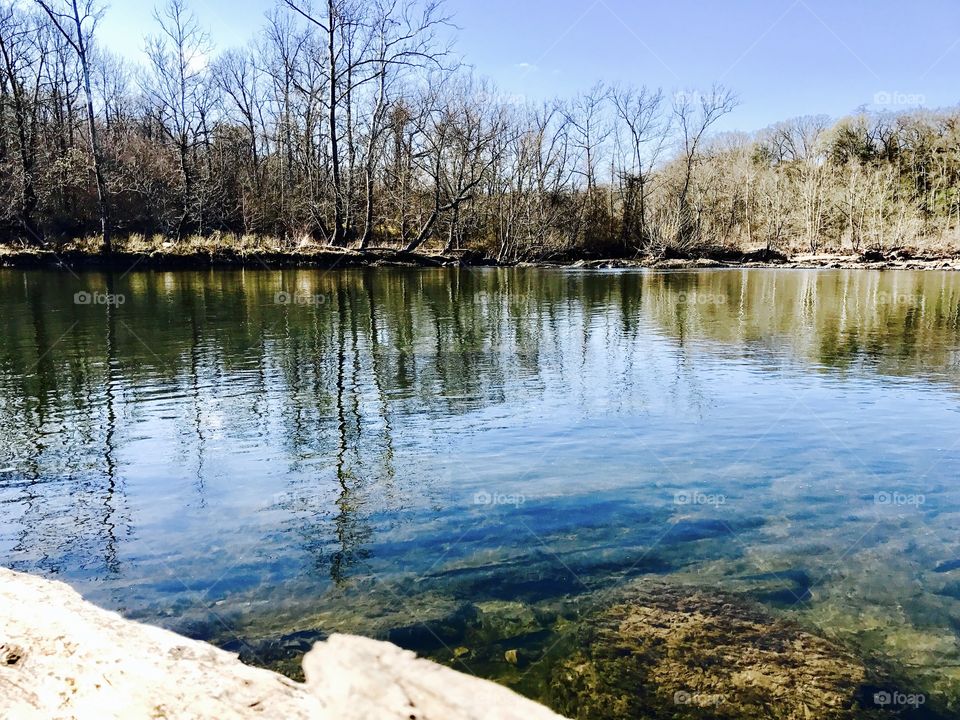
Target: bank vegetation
355 124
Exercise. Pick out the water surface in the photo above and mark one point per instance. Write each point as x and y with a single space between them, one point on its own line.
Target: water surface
259 458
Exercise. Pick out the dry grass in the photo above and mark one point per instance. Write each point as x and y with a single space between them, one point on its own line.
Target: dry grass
545 247
193 244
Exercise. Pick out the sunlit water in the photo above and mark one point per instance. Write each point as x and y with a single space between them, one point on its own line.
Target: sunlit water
261 458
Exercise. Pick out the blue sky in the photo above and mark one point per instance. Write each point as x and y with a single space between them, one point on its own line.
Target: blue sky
783 57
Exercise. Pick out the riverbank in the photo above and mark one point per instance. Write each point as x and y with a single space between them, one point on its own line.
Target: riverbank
62 657
192 256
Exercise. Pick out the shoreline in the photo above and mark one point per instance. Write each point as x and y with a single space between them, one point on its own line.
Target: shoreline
62 656
84 661
70 259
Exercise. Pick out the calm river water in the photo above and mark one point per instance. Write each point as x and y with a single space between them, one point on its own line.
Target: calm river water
260 458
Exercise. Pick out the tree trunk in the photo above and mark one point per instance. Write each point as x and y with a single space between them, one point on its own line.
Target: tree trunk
94 142
337 238
368 209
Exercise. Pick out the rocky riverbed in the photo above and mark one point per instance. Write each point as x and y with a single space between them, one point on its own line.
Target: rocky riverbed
665 651
648 649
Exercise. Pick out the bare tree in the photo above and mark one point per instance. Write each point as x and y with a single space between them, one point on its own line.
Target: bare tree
589 128
694 114
24 55
641 135
77 22
399 40
459 134
178 92
241 89
334 15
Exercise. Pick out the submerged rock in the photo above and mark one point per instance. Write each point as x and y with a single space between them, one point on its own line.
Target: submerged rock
663 651
435 633
500 619
947 566
787 588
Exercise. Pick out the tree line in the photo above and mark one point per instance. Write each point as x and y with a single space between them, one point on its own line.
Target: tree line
353 123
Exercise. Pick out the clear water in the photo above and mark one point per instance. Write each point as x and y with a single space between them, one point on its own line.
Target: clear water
394 446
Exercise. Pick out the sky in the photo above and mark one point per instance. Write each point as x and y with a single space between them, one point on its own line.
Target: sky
783 58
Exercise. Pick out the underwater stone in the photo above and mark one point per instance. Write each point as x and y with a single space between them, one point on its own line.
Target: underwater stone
502 619
435 633
947 566
665 651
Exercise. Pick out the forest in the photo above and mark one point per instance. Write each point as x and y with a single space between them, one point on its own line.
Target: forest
356 124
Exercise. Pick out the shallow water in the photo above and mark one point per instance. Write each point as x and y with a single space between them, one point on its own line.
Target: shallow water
259 458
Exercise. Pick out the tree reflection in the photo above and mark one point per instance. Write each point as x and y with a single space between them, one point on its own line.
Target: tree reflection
317 400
